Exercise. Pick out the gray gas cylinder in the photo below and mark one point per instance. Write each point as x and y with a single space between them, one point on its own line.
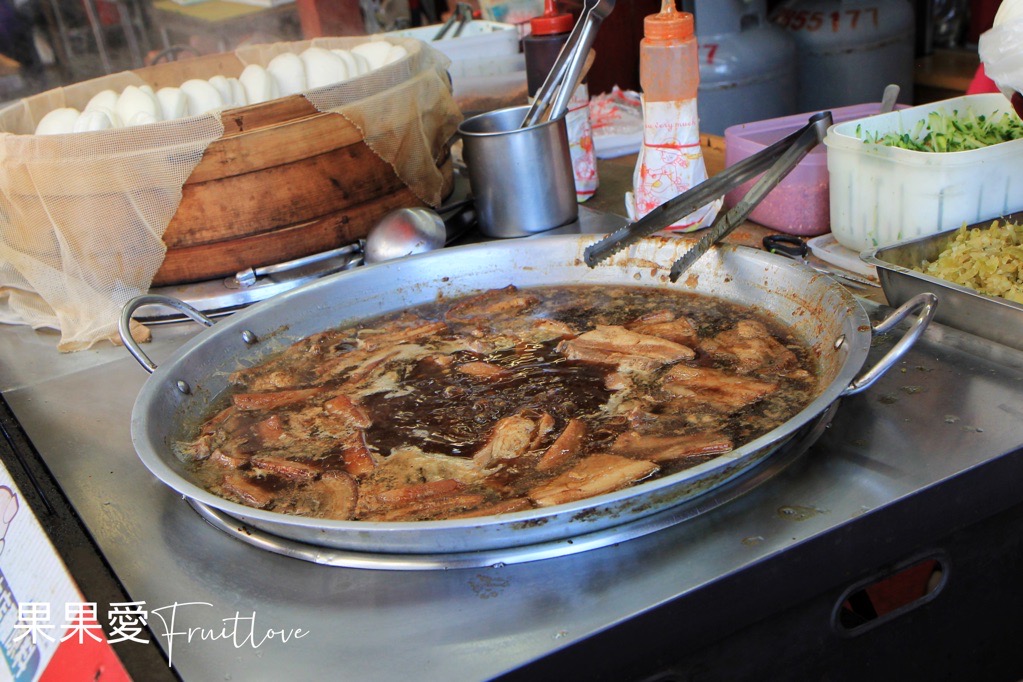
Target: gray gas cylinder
747 64
849 50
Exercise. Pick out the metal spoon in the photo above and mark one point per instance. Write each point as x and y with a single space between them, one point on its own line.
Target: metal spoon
404 232
891 93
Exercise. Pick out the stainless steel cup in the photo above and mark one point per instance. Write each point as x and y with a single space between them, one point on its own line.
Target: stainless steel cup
521 178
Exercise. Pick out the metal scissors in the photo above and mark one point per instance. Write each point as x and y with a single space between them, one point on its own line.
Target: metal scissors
795 248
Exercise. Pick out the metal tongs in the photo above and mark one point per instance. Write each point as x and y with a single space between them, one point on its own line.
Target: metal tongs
777 160
567 71
462 14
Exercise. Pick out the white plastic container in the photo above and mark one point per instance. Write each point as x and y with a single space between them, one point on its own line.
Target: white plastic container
882 195
485 57
478 39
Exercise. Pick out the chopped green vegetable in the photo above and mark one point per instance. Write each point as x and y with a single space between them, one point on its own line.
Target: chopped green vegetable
941 132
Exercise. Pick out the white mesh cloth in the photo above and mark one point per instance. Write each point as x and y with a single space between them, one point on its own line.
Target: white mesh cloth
81 216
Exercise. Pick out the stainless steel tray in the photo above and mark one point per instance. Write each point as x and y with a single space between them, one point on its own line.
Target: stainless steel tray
989 317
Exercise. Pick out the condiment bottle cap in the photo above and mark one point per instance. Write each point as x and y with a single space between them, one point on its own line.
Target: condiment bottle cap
551 22
669 24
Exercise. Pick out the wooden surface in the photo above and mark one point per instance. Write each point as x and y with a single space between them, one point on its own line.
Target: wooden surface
8 67
220 259
283 181
943 74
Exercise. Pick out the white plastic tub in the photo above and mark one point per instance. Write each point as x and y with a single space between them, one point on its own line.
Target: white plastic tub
478 39
485 59
882 195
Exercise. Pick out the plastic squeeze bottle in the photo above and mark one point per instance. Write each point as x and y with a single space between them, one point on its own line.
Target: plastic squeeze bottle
670 159
548 34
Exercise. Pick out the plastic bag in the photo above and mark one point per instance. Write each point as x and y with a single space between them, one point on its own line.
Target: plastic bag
1001 48
617 120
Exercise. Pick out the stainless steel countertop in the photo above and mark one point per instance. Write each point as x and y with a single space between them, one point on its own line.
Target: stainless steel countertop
952 405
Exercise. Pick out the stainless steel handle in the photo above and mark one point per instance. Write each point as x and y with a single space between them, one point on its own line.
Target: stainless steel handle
926 303
124 324
569 63
246 278
888 99
574 74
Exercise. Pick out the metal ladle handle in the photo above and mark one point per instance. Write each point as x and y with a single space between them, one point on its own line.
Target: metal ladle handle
574 73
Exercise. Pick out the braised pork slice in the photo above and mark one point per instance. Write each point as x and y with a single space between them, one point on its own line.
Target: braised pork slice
228 459
411 465
259 379
246 491
665 448
286 468
495 303
664 324
751 347
361 367
544 425
719 390
593 475
483 370
510 438
199 449
416 484
407 329
410 494
358 459
273 400
348 411
627 350
540 330
334 496
565 447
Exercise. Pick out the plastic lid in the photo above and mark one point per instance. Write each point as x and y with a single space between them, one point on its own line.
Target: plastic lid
551 22
669 24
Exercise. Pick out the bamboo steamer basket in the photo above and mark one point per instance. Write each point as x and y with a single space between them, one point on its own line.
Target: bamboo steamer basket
285 180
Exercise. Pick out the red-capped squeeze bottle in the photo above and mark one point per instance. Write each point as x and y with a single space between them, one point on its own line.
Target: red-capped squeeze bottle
548 34
671 158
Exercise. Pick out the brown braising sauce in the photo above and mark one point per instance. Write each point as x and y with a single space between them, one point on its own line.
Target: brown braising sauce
498 403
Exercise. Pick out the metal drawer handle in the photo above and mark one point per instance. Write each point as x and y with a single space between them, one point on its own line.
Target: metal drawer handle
124 324
926 303
907 586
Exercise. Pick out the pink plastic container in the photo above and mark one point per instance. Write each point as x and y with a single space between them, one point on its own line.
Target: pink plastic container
799 204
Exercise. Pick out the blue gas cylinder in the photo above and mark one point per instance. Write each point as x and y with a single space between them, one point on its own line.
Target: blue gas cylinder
849 50
747 64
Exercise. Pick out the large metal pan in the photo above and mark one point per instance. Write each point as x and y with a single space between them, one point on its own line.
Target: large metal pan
178 394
